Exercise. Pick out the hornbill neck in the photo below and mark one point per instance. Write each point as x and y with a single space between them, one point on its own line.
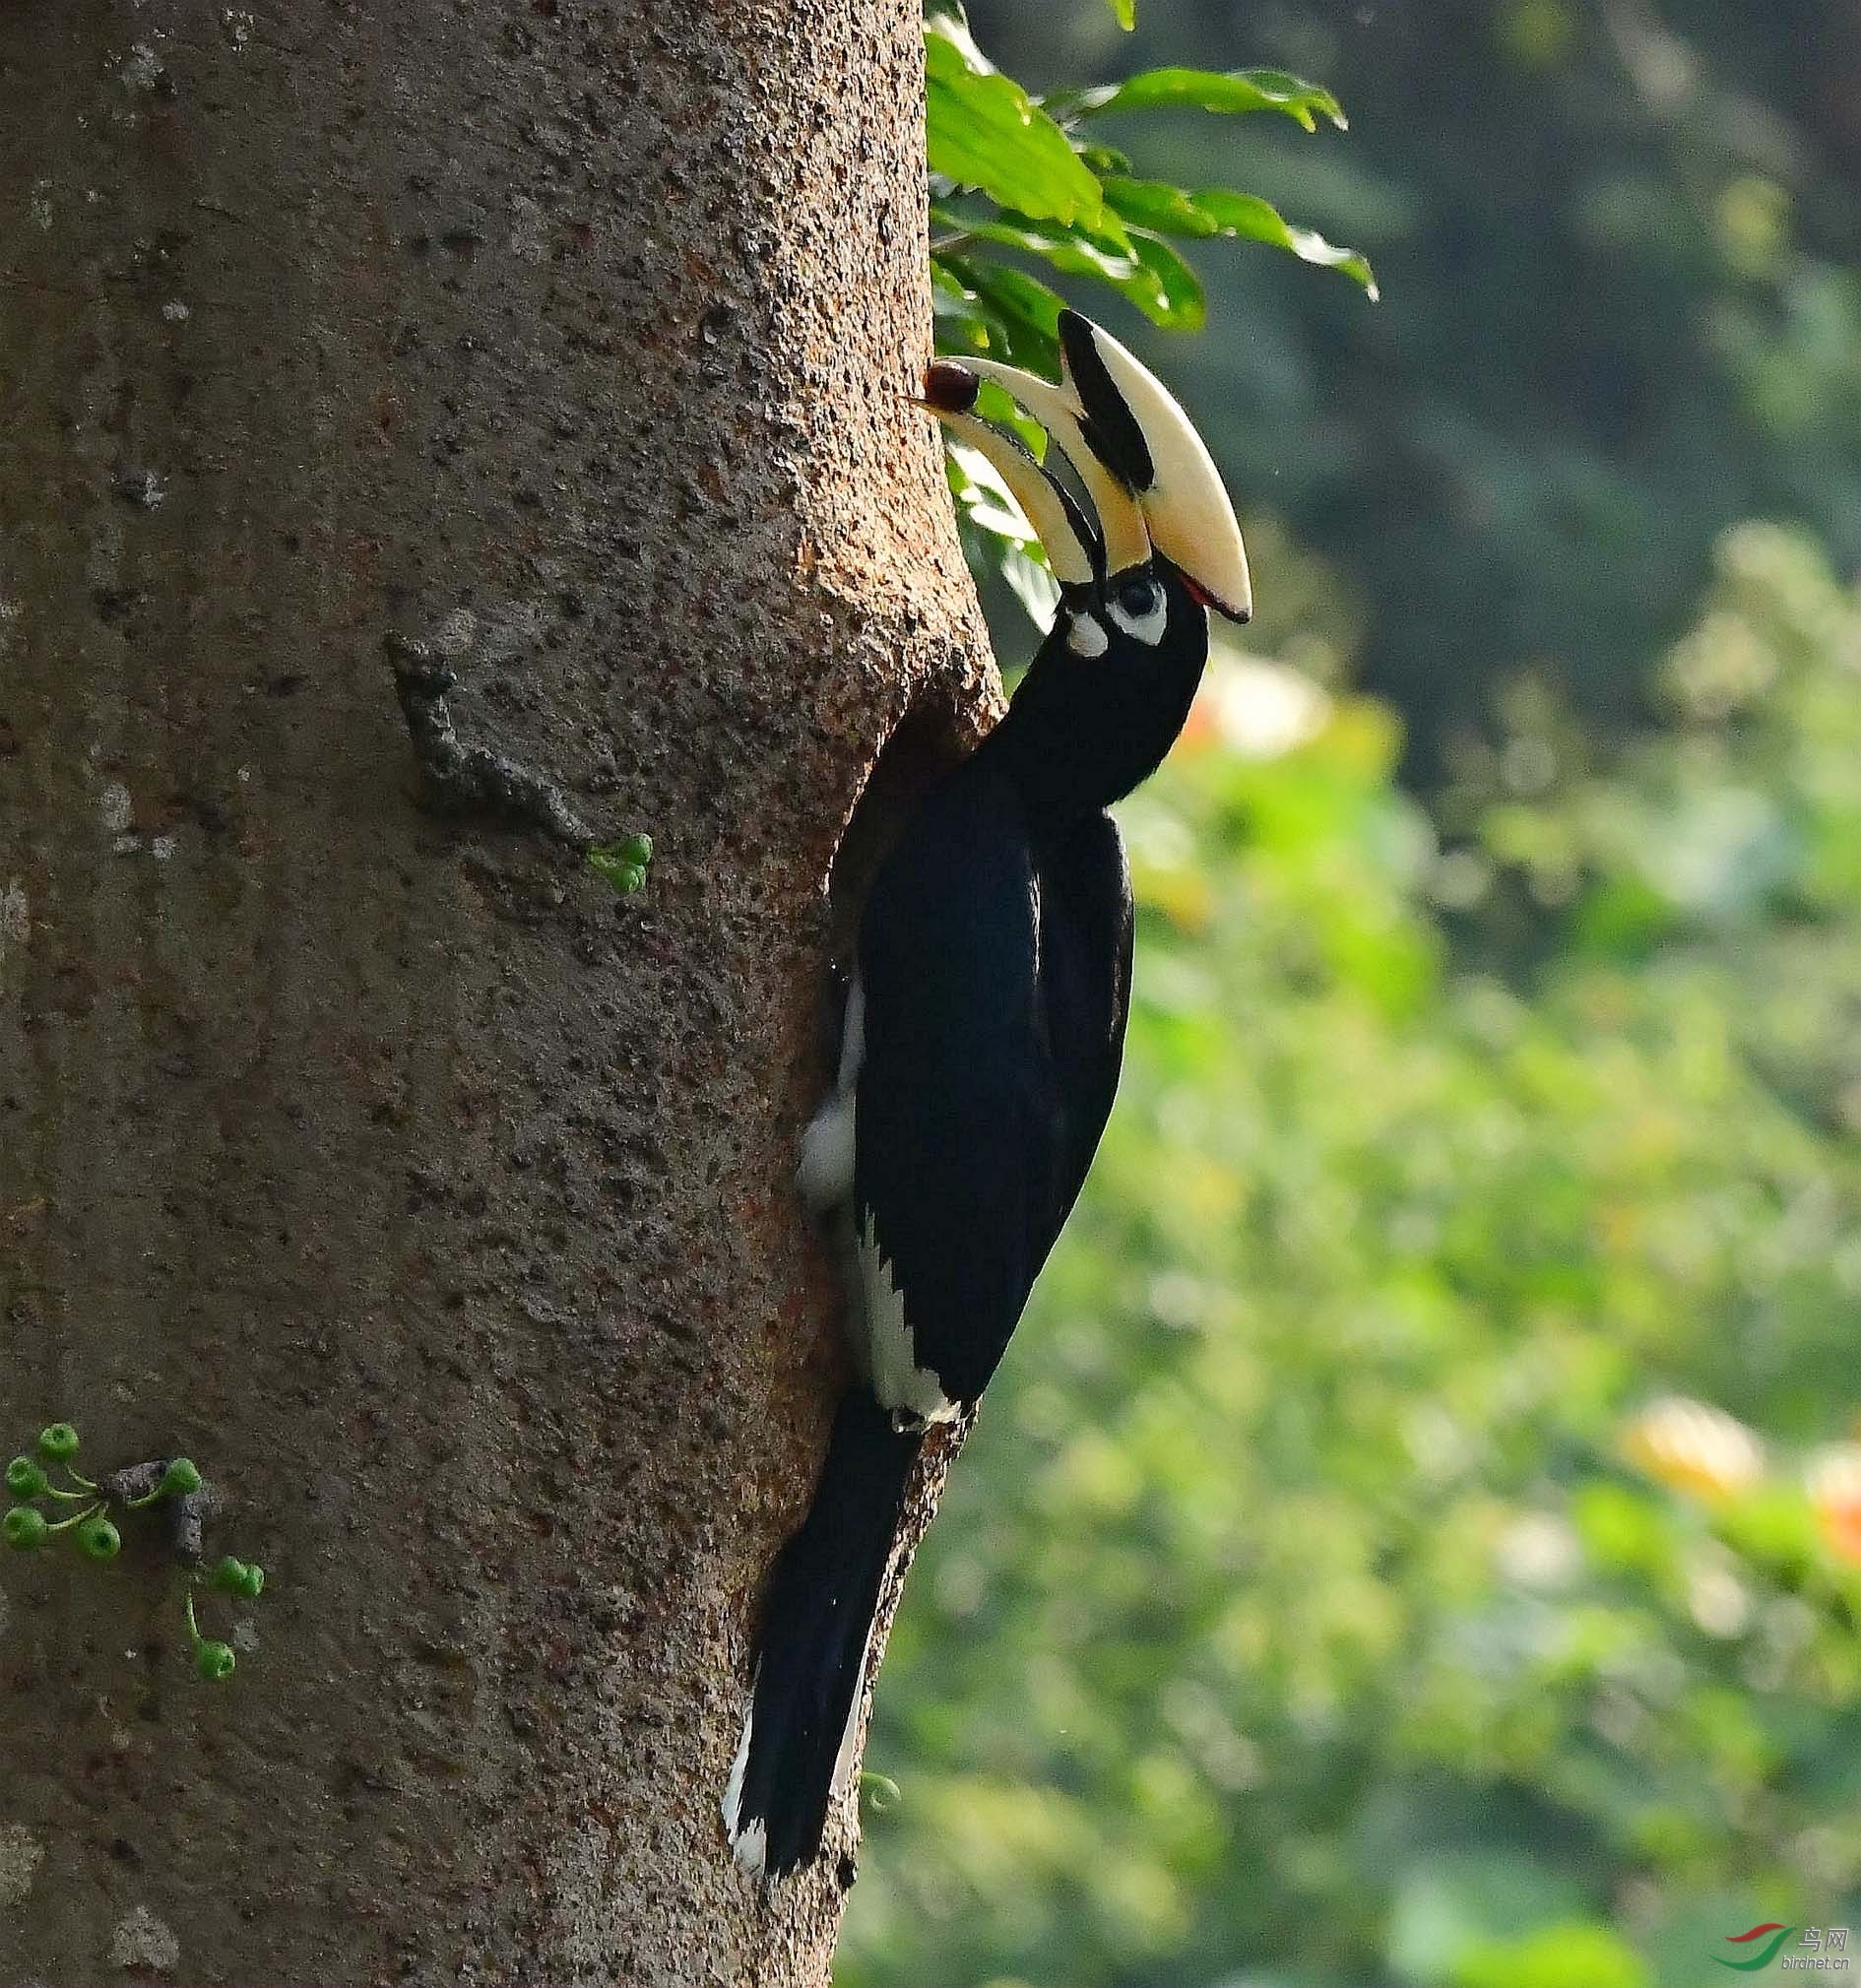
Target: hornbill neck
1083 730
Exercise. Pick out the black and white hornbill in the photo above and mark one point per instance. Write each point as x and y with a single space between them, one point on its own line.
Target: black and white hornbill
984 1021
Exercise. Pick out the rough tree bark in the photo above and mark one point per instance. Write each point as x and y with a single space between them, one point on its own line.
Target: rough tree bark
434 1198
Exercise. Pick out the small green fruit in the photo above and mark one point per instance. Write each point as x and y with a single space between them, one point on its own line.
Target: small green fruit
25 1479
180 1476
214 1660
624 864
228 1574
25 1529
58 1441
98 1539
253 1586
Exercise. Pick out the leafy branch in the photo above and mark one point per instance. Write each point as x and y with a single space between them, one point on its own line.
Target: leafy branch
1015 176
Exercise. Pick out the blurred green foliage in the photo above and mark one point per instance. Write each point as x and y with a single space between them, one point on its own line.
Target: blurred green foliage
1327 1599
1309 1608
1618 247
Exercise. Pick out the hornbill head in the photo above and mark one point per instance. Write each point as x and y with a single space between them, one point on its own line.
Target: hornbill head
1146 471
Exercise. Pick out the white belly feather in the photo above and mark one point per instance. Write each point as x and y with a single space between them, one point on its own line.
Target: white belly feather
826 1174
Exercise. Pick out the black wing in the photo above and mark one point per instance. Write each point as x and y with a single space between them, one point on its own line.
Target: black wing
1085 982
993 981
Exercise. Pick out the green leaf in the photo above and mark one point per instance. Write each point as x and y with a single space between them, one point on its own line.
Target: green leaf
1124 13
962 322
1025 308
1152 276
985 131
996 532
1215 210
1166 289
1156 204
1070 249
1031 580
1103 158
981 495
1247 215
1230 92
953 23
959 329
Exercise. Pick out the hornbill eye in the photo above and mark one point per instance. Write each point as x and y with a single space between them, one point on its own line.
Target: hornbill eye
1138 607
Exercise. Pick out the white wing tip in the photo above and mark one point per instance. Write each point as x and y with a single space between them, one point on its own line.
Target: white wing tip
750 1846
751 1849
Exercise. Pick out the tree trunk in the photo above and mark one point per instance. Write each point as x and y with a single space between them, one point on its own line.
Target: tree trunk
431 1195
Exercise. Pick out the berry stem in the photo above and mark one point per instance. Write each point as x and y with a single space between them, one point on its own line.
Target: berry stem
76 1518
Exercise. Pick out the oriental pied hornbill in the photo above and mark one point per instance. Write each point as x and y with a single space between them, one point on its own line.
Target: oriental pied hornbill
984 1021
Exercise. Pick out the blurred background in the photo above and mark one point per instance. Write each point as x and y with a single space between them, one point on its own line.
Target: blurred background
1415 1540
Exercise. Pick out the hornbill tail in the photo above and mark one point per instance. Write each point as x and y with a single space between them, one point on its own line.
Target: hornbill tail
797 1740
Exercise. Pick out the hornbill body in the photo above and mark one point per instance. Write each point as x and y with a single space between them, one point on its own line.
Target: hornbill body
985 1023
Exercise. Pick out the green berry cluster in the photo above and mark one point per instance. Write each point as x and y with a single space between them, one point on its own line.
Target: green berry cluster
624 864
25 1529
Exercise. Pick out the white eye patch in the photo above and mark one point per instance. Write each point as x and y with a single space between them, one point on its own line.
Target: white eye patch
1139 608
1086 636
